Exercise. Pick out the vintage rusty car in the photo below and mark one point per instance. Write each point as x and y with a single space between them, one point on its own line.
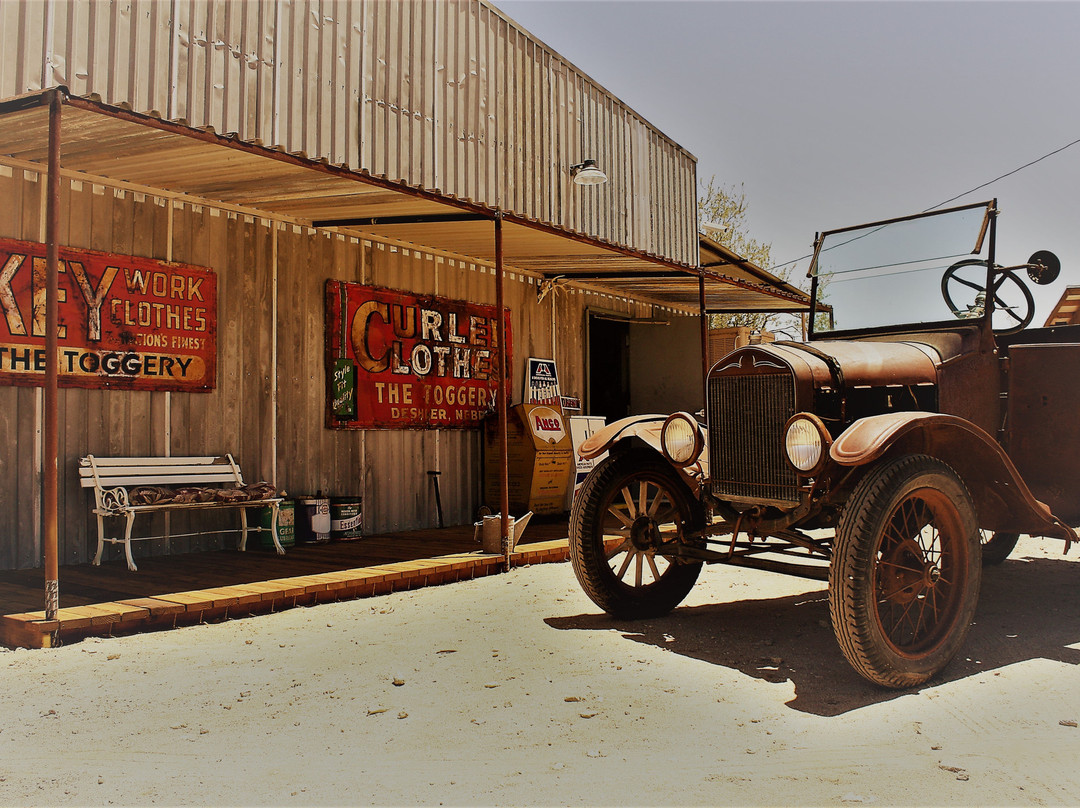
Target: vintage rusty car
912 437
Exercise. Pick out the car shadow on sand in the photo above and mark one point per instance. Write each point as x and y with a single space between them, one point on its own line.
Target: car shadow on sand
1027 610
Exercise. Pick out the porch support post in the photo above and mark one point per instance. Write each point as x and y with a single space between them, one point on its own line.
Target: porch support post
503 394
704 341
52 370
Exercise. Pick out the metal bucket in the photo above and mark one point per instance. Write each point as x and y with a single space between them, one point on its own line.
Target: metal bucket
346 518
490 530
313 520
286 525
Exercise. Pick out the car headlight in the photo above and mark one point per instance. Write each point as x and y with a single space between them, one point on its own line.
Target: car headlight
806 443
681 439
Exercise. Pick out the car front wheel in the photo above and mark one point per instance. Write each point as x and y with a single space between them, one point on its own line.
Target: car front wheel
631 511
906 569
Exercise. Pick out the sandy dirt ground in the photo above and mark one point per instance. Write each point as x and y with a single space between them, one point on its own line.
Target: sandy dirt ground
515 690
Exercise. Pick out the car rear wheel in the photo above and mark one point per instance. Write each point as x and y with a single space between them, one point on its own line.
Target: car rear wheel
628 509
906 569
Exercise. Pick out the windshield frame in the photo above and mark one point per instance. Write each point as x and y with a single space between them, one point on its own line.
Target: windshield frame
987 235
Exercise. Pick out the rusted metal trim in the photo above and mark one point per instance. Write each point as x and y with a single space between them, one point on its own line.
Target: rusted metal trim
991 262
701 272
375 221
894 220
801 298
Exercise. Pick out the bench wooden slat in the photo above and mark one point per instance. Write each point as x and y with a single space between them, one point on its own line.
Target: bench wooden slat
102 462
131 479
149 468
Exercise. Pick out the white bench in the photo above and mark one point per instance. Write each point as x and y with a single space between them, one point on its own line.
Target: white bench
119 480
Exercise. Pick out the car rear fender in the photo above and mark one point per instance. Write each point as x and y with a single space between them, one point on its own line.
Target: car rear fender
1002 499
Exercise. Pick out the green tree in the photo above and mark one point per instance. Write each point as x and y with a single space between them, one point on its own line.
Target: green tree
722 214
722 217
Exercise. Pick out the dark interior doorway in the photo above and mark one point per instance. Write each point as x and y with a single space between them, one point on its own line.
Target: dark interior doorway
609 367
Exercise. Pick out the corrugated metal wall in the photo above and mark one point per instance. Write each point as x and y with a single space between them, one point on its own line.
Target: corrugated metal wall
268 409
445 95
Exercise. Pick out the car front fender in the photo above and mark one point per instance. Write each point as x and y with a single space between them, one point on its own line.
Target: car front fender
1002 498
645 428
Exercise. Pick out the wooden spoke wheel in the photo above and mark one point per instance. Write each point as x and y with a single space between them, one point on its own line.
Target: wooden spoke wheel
906 570
631 510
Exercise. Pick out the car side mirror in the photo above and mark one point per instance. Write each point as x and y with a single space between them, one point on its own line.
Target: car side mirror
1043 267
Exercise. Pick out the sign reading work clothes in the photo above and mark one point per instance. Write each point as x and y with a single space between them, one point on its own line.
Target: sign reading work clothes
406 361
125 322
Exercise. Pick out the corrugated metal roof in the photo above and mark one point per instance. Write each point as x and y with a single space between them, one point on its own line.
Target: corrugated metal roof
1067 310
110 143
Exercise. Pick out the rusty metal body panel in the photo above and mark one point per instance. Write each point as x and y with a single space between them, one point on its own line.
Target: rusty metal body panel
867 364
1003 499
1043 427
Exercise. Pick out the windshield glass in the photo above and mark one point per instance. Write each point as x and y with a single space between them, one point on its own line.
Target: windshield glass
890 273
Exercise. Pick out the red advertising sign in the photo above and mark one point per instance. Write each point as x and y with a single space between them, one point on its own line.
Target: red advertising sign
125 322
399 360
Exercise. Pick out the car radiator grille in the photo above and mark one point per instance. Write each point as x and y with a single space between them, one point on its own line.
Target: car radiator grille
747 415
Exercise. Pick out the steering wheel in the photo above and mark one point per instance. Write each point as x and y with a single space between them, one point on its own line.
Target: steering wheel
1016 316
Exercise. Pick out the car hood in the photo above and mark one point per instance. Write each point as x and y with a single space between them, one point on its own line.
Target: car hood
862 363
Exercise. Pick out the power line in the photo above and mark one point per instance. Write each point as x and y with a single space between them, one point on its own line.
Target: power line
1003 176
965 193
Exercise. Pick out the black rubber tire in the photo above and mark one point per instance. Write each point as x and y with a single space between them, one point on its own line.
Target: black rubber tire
602 572
996 547
905 574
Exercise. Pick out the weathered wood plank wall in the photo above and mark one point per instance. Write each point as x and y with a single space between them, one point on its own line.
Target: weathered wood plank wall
443 94
268 408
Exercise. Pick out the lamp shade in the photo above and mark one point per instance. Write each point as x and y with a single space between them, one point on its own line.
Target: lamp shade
587 173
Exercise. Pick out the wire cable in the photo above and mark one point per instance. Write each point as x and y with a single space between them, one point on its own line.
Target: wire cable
1003 176
959 196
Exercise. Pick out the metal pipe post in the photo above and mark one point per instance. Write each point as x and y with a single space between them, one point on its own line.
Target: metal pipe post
502 395
704 342
52 369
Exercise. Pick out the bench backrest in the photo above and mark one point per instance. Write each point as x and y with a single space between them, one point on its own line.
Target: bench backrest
111 472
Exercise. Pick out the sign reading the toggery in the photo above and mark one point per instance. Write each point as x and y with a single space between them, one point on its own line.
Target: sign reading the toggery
420 361
125 322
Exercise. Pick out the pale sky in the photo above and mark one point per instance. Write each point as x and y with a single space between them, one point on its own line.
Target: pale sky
832 114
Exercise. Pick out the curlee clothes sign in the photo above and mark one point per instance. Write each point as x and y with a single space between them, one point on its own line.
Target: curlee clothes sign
399 360
125 322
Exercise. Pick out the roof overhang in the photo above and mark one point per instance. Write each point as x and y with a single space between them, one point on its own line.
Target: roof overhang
1067 310
110 144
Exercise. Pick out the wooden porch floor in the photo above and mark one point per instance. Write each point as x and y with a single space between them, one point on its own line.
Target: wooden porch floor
174 590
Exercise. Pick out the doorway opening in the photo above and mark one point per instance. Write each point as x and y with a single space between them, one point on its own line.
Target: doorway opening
609 367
